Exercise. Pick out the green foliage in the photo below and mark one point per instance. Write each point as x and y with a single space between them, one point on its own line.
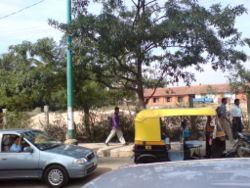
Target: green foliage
239 82
211 90
240 79
131 45
127 123
32 74
89 95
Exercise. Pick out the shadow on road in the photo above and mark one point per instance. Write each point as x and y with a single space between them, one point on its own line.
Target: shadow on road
80 182
22 183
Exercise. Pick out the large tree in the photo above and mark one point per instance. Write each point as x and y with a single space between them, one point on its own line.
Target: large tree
130 43
32 74
240 82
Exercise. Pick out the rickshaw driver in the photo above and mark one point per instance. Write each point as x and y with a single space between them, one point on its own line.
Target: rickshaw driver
185 130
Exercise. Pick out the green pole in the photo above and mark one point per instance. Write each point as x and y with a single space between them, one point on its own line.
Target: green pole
70 118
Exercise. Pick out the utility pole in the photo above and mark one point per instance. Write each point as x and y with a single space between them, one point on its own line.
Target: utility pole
70 118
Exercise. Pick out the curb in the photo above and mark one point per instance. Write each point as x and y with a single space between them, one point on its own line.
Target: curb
114 150
117 150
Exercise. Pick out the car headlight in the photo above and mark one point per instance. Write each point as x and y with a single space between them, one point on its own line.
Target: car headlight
80 161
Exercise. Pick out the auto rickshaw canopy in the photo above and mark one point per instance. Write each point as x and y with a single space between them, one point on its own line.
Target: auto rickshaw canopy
147 122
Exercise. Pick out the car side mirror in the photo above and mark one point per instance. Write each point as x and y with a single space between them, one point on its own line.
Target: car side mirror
28 149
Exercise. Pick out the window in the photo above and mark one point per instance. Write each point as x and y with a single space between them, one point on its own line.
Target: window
168 99
7 141
180 99
155 100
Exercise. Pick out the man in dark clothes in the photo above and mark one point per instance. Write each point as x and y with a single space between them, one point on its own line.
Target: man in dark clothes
236 114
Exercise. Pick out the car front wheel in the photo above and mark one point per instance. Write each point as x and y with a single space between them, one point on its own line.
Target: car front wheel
56 176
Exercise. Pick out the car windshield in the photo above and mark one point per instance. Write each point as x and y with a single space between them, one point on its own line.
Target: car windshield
41 140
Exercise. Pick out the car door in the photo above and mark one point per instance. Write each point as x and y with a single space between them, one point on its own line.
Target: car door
18 164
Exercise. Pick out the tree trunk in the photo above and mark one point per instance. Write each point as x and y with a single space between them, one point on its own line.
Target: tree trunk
4 118
191 103
87 123
141 104
140 101
248 110
130 114
46 115
194 128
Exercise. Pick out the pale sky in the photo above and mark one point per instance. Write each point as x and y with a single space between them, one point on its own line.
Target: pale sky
32 24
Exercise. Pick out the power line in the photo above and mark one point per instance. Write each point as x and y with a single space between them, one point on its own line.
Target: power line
213 1
16 12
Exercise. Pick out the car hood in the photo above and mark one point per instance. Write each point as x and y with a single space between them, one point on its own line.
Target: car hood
224 173
70 150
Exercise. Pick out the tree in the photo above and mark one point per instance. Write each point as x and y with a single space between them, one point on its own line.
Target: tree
130 42
32 74
90 95
211 91
240 82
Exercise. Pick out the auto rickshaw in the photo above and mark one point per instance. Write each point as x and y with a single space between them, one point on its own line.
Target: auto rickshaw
149 145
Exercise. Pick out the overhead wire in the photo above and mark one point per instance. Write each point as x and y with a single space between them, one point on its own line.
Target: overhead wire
20 10
213 1
36 29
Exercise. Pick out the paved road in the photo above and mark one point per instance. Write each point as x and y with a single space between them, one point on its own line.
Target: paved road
105 165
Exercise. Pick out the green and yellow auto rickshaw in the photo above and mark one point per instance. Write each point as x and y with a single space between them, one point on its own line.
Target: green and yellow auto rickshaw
149 144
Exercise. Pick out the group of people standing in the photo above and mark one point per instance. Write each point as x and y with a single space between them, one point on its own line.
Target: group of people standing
224 128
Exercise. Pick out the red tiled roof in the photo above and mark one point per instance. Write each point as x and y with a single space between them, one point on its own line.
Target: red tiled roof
189 90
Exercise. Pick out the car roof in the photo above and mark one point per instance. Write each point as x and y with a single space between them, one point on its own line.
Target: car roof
17 131
211 173
147 122
157 113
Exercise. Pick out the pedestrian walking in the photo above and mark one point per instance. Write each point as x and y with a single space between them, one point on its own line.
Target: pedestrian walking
223 119
236 121
116 128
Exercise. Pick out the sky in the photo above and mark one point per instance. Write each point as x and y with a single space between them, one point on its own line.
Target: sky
32 24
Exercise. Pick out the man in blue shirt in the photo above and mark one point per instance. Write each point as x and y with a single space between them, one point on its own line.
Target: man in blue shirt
17 145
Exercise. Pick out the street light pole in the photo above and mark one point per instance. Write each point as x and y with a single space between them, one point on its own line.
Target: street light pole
70 118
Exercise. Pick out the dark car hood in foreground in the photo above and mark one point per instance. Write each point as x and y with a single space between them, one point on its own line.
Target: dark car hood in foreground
70 150
213 173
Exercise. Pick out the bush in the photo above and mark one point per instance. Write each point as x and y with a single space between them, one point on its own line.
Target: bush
100 129
127 124
245 120
15 120
56 132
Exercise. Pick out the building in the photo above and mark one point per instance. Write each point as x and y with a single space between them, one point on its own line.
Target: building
182 95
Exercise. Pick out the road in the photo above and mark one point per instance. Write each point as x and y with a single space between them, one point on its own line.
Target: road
104 165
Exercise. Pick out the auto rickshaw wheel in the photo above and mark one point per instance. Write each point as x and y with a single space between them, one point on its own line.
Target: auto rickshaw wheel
146 158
